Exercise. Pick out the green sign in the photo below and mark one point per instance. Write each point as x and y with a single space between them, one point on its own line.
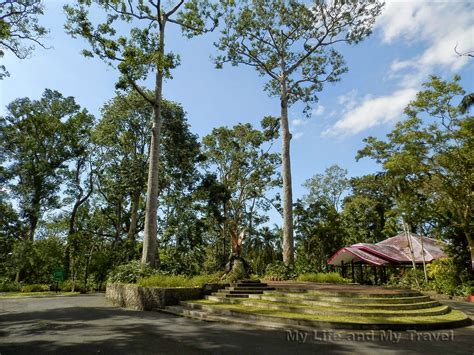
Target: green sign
58 274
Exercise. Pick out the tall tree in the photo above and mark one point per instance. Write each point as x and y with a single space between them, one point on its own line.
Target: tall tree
19 25
327 187
136 55
39 139
368 212
319 234
121 141
241 159
292 44
428 159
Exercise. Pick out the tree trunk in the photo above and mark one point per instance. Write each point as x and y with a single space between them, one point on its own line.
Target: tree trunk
149 255
410 247
34 215
470 243
288 252
132 230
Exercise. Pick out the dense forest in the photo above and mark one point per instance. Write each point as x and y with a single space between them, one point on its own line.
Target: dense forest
135 185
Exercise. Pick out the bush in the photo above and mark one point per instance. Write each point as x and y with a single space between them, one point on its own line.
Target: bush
406 279
131 272
446 278
160 280
35 288
9 286
278 270
330 277
66 286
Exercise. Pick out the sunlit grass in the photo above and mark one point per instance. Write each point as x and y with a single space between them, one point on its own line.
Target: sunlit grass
321 277
452 316
160 280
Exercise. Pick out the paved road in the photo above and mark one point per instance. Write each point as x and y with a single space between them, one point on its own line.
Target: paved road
88 324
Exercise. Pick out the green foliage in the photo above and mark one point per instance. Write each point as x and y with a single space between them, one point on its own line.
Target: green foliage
328 187
319 234
19 27
292 42
406 278
69 285
263 248
241 170
447 278
131 272
36 261
8 286
140 51
279 271
160 280
187 260
35 288
41 137
368 214
427 161
330 277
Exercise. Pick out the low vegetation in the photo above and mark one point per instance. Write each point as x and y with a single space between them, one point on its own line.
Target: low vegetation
160 280
452 316
330 277
443 277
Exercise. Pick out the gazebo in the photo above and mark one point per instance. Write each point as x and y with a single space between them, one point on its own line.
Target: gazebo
398 251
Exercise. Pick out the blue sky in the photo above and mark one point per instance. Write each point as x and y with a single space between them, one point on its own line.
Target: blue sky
411 40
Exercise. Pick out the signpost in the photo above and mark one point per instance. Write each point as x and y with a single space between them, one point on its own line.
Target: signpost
58 276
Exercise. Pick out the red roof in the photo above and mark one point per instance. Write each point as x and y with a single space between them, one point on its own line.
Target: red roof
393 250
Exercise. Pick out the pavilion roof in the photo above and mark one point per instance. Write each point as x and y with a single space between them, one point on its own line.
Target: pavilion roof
392 251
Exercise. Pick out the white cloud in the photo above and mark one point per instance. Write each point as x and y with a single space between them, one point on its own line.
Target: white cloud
372 112
318 110
297 135
298 122
348 101
437 27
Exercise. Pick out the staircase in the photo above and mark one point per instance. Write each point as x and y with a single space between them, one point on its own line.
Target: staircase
240 289
254 303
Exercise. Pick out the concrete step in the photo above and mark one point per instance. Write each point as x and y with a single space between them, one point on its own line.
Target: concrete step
248 285
210 317
275 322
242 291
250 281
221 294
310 303
352 294
301 309
249 289
340 299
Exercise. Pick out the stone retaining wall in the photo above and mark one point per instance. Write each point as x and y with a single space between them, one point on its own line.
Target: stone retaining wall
148 298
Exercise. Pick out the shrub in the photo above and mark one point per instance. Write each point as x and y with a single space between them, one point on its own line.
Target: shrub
446 278
278 270
131 272
35 288
66 286
406 279
330 277
160 280
9 286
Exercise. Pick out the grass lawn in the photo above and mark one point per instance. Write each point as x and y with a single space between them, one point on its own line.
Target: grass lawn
347 309
452 316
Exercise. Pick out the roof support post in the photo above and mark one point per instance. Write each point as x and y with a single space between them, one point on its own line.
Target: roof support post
352 267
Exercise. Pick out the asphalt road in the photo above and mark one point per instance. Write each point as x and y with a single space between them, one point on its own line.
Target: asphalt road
88 324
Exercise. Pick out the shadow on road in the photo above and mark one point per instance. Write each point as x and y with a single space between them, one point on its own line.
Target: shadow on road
90 325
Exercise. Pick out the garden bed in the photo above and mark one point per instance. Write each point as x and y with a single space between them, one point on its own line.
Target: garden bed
149 298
